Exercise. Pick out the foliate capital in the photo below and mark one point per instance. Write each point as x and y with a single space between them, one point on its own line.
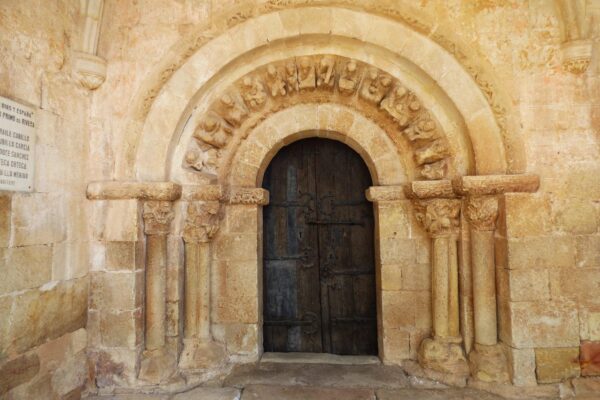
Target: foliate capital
482 212
439 217
202 222
158 216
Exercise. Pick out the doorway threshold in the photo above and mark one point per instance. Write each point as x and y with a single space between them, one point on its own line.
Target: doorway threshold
318 358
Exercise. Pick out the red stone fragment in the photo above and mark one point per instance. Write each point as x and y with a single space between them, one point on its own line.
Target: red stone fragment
589 358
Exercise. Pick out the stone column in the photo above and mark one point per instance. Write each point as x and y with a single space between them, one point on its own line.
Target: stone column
157 365
443 352
201 225
488 362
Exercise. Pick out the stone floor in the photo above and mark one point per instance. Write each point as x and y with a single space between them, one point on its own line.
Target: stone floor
307 381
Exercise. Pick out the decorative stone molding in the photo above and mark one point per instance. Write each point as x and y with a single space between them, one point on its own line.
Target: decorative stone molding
482 212
385 193
429 190
576 56
202 193
255 196
495 184
112 190
318 79
202 222
158 216
89 69
439 217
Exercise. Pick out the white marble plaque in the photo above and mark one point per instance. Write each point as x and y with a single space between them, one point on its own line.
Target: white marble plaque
17 142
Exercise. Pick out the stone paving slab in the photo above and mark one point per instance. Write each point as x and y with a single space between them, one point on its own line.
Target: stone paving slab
262 392
321 375
440 394
209 394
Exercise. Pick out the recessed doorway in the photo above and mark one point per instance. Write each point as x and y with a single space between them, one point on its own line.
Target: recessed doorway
319 270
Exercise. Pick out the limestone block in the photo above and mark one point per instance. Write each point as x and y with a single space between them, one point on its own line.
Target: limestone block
209 394
576 283
70 375
526 214
542 251
122 328
242 219
543 324
241 278
594 325
121 256
38 218
52 311
398 309
574 215
416 277
5 210
589 358
396 346
237 309
521 364
391 277
392 219
17 371
70 260
397 251
5 309
556 364
240 338
112 291
588 251
239 247
118 221
25 268
112 190
113 366
529 284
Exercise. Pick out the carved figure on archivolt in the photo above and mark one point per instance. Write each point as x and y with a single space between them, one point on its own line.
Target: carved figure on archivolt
232 110
275 81
253 93
213 131
349 78
326 73
395 105
375 85
307 78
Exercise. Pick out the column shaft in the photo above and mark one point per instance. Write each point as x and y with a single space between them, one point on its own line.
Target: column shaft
453 308
155 291
192 286
204 285
439 286
484 287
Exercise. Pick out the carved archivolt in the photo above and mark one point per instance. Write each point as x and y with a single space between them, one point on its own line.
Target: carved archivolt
319 79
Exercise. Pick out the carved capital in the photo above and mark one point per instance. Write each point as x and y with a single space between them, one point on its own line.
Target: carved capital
158 216
201 222
439 217
482 212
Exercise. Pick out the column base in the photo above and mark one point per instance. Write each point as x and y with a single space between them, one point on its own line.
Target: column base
443 355
157 366
198 354
489 364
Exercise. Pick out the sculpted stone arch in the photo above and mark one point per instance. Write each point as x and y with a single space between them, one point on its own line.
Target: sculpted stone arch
446 89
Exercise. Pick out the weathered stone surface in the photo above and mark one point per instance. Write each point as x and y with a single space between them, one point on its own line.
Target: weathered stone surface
439 394
112 190
443 357
529 284
18 371
38 218
588 251
209 394
5 207
496 184
39 315
521 366
556 364
121 255
543 324
385 193
259 392
589 358
25 267
539 252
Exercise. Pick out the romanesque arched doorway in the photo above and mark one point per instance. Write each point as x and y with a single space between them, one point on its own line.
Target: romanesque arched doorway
318 251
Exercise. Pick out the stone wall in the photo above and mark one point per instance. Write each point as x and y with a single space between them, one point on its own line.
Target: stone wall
43 234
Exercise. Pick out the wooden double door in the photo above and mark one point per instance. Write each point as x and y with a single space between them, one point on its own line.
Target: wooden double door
319 274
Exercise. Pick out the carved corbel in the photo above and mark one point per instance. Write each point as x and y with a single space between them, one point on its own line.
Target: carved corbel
202 222
89 69
439 217
158 216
